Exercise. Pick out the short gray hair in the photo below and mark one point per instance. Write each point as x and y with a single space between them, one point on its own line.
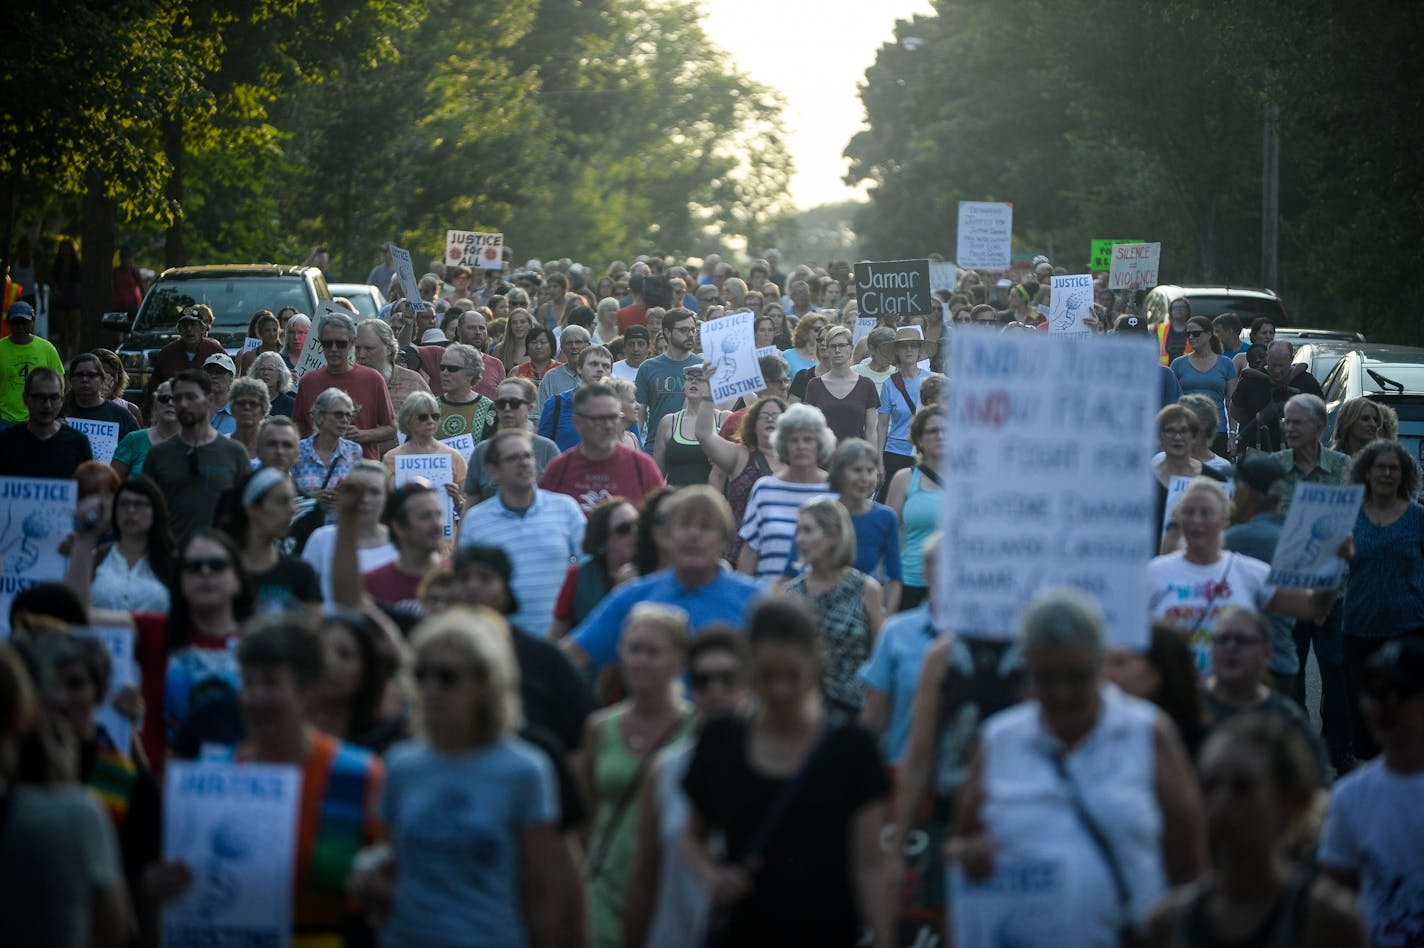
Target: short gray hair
798 418
415 403
383 332
343 320
474 362
607 304
253 387
284 374
1311 403
330 398
1200 405
1062 617
848 452
575 332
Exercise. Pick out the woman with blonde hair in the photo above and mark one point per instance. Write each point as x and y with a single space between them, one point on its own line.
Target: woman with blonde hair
1360 421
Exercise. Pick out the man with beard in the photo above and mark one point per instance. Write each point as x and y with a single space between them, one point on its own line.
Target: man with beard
42 446
198 465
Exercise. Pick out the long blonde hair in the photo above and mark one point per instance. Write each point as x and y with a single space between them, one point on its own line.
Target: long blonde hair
482 638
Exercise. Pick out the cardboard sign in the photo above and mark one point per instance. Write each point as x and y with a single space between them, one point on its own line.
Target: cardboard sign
312 357
1047 479
405 272
1100 253
1072 304
1134 266
986 232
36 514
893 288
118 641
235 827
729 343
439 470
474 249
1321 517
249 344
943 276
103 436
863 326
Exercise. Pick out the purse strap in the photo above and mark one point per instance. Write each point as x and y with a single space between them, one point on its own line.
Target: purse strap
898 381
1099 838
771 819
605 843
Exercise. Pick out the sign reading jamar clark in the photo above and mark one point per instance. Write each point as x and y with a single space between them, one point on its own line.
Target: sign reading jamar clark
893 287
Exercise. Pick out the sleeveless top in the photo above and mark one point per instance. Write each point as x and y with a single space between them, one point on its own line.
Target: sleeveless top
686 462
590 586
920 518
1283 928
739 491
983 677
1027 811
844 631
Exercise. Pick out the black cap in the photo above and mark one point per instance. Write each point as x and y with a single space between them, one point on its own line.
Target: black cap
637 332
1130 323
1260 472
494 559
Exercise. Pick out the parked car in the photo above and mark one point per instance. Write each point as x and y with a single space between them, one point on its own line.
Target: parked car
233 291
367 299
1391 375
1322 356
1246 302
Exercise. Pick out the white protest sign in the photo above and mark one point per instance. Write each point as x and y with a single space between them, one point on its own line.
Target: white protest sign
249 344
1020 904
36 514
463 444
439 470
1047 479
235 827
103 436
863 326
118 641
474 249
985 235
311 356
943 276
1321 517
767 351
405 271
1134 266
730 344
1177 486
1072 305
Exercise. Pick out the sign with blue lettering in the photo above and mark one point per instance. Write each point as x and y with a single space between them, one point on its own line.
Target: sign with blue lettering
36 514
899 288
1321 517
437 470
103 436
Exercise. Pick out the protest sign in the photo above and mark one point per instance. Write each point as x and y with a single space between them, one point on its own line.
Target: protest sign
1177 486
1100 253
311 356
474 249
249 344
1071 306
36 514
235 827
943 276
405 272
893 287
729 344
103 436
986 233
1021 903
1321 517
464 444
1047 479
767 351
118 641
439 470
1134 266
863 325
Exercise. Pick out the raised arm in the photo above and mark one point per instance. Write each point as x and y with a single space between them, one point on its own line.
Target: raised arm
729 456
347 590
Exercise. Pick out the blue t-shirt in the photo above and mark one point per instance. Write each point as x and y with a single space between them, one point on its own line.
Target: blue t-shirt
660 386
455 824
877 541
795 362
1171 388
556 422
1212 382
1384 596
894 404
728 598
894 670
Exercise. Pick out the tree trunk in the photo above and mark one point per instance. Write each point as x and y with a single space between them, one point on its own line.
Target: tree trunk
97 240
173 253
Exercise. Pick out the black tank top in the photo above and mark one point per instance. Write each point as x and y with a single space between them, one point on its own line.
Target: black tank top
1283 928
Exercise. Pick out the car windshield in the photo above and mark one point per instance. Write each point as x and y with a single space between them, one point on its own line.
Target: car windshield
360 297
233 301
1410 376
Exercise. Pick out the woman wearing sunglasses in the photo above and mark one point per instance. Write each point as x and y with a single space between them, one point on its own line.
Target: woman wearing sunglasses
1204 370
610 540
324 459
418 419
133 448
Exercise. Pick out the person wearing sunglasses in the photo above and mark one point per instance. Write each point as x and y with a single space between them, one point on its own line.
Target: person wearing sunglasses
133 449
198 464
610 541
513 406
419 421
376 349
1204 370
189 351
463 410
374 419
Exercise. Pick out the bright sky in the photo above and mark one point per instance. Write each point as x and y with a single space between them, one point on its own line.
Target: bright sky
823 49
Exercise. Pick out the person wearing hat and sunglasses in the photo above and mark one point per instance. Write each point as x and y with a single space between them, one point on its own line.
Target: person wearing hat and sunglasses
189 351
20 352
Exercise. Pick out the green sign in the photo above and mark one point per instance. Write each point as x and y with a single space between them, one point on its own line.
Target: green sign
1101 253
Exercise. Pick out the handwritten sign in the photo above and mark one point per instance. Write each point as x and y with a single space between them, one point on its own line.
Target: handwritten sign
943 276
235 827
439 470
893 288
1100 253
1134 266
118 641
405 272
1071 305
1321 517
103 436
311 356
1047 479
474 249
730 344
986 231
36 514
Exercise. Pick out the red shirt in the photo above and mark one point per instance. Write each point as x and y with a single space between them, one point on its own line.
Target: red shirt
366 388
494 374
152 654
430 357
388 584
173 358
628 473
634 314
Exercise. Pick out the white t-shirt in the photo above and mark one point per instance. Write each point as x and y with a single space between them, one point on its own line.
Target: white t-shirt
1191 596
322 543
1376 828
622 370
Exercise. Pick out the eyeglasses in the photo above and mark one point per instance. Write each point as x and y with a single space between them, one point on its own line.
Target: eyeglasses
1234 640
1193 333
335 343
134 503
692 328
1176 432
451 368
839 345
442 676
247 403
163 399
214 564
624 529
428 416
193 470
340 413
509 404
704 679
86 375
525 456
601 419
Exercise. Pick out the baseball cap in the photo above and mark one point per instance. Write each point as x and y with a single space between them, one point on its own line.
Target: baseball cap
1130 323
222 360
188 314
637 332
496 561
1259 472
21 310
1398 664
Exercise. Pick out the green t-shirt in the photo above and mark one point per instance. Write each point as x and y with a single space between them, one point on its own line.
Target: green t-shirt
15 364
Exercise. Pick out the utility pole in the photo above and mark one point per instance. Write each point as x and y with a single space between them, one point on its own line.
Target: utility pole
1271 189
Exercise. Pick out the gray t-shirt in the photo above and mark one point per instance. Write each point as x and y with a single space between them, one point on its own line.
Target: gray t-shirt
57 852
193 482
479 487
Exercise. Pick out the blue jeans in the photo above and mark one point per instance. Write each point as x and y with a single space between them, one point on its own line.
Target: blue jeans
1330 656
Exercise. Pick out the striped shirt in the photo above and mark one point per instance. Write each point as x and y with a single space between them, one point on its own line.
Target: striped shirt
541 542
769 525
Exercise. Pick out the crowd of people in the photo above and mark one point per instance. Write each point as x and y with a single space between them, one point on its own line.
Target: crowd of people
568 653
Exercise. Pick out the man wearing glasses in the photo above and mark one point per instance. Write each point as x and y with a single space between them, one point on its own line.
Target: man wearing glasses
660 383
599 467
42 446
513 403
197 465
375 416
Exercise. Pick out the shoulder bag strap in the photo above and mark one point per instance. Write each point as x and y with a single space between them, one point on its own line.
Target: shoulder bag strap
1099 838
762 464
605 843
898 381
771 819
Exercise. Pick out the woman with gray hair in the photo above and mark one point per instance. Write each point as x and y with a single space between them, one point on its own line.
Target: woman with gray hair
1083 789
803 442
605 327
376 349
250 403
324 459
270 368
295 336
418 419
